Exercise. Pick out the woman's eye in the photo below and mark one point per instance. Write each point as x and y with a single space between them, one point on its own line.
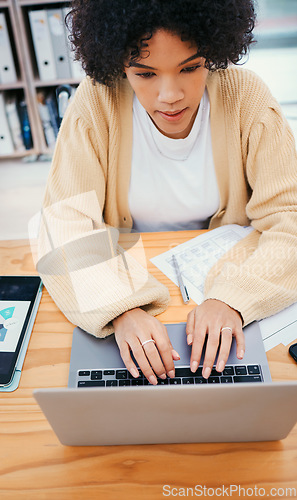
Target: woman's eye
145 75
190 69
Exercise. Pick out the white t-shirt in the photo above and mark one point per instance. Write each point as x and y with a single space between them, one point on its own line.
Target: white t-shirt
173 183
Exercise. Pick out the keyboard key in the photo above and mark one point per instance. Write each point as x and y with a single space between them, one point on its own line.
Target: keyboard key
213 380
111 383
121 374
226 380
214 373
84 373
108 372
200 380
240 370
91 383
162 381
253 369
198 372
229 370
187 381
247 378
140 375
96 375
183 372
124 382
175 381
137 381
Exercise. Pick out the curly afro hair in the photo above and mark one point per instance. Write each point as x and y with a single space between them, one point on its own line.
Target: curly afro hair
106 34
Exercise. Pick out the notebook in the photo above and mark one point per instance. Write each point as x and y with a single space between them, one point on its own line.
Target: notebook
182 413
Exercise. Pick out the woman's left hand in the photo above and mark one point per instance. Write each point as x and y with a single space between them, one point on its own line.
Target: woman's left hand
221 323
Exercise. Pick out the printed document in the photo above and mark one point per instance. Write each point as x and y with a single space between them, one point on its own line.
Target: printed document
195 259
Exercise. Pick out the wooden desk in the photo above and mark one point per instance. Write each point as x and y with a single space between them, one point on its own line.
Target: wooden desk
34 465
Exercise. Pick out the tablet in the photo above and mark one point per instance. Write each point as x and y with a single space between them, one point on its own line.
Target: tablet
18 295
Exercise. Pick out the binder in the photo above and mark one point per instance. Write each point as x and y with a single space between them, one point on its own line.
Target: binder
7 66
45 117
42 44
52 107
25 124
63 97
6 144
76 68
14 123
56 26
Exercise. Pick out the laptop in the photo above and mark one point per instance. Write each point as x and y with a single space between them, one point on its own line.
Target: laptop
104 405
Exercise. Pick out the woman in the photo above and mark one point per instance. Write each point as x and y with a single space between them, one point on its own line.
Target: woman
164 135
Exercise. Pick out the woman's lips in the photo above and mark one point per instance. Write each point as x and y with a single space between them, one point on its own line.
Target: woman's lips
172 116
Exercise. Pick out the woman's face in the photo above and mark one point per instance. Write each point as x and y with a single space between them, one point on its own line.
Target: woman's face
169 83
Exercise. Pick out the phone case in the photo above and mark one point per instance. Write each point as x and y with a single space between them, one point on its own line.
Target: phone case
293 351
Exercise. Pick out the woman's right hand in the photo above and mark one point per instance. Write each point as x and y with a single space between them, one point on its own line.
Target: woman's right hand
155 358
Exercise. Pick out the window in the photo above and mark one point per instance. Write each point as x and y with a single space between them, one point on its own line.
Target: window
276 23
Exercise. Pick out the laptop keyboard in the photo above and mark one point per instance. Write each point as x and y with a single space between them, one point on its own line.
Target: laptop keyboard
183 375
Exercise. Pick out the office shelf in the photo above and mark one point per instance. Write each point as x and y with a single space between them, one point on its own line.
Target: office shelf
29 83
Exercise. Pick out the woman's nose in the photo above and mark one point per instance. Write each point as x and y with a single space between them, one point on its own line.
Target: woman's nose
169 91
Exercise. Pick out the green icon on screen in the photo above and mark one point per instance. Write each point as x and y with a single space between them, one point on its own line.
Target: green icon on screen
7 313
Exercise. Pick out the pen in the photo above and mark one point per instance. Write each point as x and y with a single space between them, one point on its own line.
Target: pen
181 284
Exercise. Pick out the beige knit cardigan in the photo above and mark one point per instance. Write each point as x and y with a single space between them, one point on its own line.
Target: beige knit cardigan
84 269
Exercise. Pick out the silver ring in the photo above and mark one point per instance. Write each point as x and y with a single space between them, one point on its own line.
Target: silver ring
226 328
147 341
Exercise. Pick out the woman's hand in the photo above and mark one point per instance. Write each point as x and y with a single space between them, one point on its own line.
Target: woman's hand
136 327
221 323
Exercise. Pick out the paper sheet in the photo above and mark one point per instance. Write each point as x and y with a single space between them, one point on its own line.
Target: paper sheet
281 328
196 257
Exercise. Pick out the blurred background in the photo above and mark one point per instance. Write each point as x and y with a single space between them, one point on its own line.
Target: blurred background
28 97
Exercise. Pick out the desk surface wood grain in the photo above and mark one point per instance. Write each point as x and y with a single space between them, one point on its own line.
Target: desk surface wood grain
34 465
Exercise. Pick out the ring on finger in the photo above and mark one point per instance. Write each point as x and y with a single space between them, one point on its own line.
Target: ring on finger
226 328
147 341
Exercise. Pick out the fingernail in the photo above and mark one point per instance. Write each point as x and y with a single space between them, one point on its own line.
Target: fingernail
220 367
175 354
240 355
190 339
194 366
134 372
206 372
153 380
171 374
163 376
